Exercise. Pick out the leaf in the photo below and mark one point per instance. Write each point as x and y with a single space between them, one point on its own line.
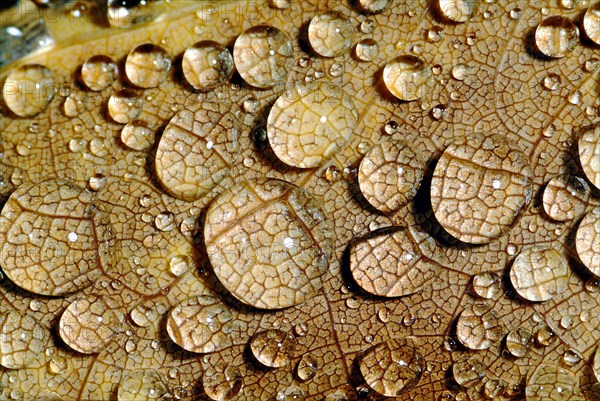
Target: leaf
487 78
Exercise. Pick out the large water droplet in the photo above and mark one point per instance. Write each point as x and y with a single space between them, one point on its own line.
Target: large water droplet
147 66
389 263
487 285
143 385
165 221
518 342
22 340
458 10
222 385
587 243
28 90
263 56
137 136
206 64
392 367
268 242
556 36
390 175
197 149
99 72
589 154
59 265
478 327
407 77
309 123
307 367
565 197
125 106
201 324
539 273
88 325
550 382
460 71
330 34
469 372
273 348
591 23
479 187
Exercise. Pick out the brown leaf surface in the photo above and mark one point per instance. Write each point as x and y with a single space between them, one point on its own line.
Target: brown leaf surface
487 77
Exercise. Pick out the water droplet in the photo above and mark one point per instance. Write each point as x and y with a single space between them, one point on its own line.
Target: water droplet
478 327
591 65
494 388
550 382
88 325
460 71
125 106
147 66
435 34
515 13
22 340
352 303
203 144
407 77
309 123
330 34
24 148
518 342
392 367
137 136
592 285
179 265
374 6
571 357
458 10
143 385
586 241
207 64
251 105
463 180
388 263
165 221
409 319
589 152
469 373
28 90
384 315
201 324
575 97
390 175
539 273
391 127
566 321
591 23
237 252
223 385
471 39
143 315
438 112
307 367
273 348
556 36
565 197
487 285
336 69
57 365
552 82
99 72
546 336
263 56
332 174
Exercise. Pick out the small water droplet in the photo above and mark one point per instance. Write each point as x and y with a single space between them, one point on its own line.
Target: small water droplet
165 221
435 34
125 106
137 136
99 72
307 367
552 82
330 34
148 65
273 348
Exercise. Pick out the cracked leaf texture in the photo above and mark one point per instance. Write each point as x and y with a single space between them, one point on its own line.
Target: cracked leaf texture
145 272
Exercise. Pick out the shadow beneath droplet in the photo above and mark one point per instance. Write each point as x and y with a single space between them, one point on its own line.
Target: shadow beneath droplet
424 214
303 41
531 48
360 199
